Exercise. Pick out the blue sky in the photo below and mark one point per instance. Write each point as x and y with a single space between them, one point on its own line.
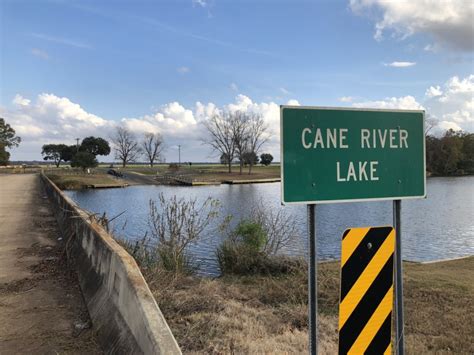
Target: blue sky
124 62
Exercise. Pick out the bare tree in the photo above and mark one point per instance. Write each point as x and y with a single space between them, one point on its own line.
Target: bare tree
152 146
240 129
430 123
280 228
220 138
176 223
126 146
256 136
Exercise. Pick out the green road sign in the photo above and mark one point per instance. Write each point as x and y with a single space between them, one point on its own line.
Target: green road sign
342 155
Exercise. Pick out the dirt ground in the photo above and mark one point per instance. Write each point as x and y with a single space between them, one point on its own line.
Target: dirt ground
41 307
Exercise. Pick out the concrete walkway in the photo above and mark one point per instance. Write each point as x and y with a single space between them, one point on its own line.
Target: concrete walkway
41 307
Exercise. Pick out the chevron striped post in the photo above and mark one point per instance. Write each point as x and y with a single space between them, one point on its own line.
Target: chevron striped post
366 298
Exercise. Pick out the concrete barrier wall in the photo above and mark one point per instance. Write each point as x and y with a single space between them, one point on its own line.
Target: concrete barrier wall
122 308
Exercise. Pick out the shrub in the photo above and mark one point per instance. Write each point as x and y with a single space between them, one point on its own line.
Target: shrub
251 247
251 234
266 159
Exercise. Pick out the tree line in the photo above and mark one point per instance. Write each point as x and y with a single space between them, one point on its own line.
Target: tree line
235 136
450 154
126 146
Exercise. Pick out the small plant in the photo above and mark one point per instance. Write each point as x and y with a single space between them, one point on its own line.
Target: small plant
141 251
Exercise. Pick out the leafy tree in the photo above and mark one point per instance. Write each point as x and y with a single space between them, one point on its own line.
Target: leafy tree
467 161
54 152
250 158
95 145
8 139
68 153
266 159
4 155
84 160
451 147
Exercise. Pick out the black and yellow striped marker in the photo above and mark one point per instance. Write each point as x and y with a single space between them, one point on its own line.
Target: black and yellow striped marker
365 307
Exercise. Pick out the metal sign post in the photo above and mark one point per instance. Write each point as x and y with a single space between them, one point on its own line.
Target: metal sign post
312 282
399 325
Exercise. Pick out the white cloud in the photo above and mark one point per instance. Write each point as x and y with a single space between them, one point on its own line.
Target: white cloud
445 125
454 103
434 91
53 119
59 40
234 87
50 119
284 91
447 22
346 99
293 103
400 64
20 100
183 70
431 48
401 103
202 3
171 120
40 53
451 105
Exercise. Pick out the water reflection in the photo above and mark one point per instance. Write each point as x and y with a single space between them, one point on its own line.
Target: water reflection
438 227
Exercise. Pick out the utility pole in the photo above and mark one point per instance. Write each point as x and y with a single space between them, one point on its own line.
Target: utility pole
77 144
179 154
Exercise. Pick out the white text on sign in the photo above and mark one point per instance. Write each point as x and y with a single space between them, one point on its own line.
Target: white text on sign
336 138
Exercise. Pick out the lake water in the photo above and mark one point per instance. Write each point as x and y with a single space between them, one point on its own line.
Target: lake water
439 227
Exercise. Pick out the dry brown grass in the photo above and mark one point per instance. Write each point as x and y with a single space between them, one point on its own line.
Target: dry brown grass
263 314
253 314
439 307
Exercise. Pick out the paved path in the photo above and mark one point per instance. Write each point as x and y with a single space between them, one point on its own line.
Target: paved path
41 307
134 178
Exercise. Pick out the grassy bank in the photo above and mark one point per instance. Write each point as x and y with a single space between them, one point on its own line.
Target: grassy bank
80 181
263 314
